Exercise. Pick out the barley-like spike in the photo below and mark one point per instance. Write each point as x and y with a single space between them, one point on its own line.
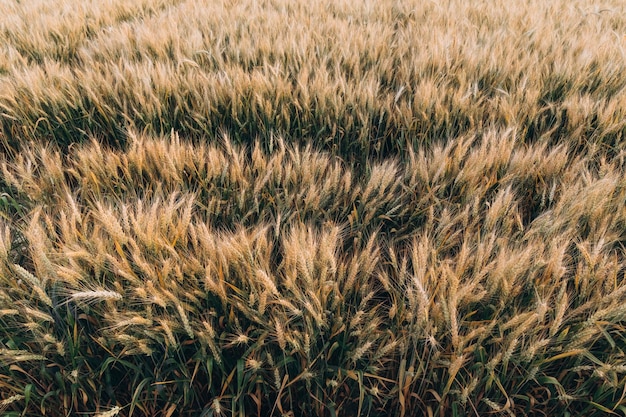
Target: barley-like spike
111 413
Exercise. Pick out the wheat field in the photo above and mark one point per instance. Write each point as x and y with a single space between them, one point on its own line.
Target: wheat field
276 208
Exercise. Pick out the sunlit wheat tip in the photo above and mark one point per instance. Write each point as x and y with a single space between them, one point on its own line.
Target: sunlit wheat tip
360 351
169 335
111 413
95 295
27 276
10 400
185 320
253 364
40 315
9 312
492 404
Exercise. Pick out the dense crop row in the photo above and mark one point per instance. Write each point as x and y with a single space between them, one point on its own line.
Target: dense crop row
343 208
357 79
